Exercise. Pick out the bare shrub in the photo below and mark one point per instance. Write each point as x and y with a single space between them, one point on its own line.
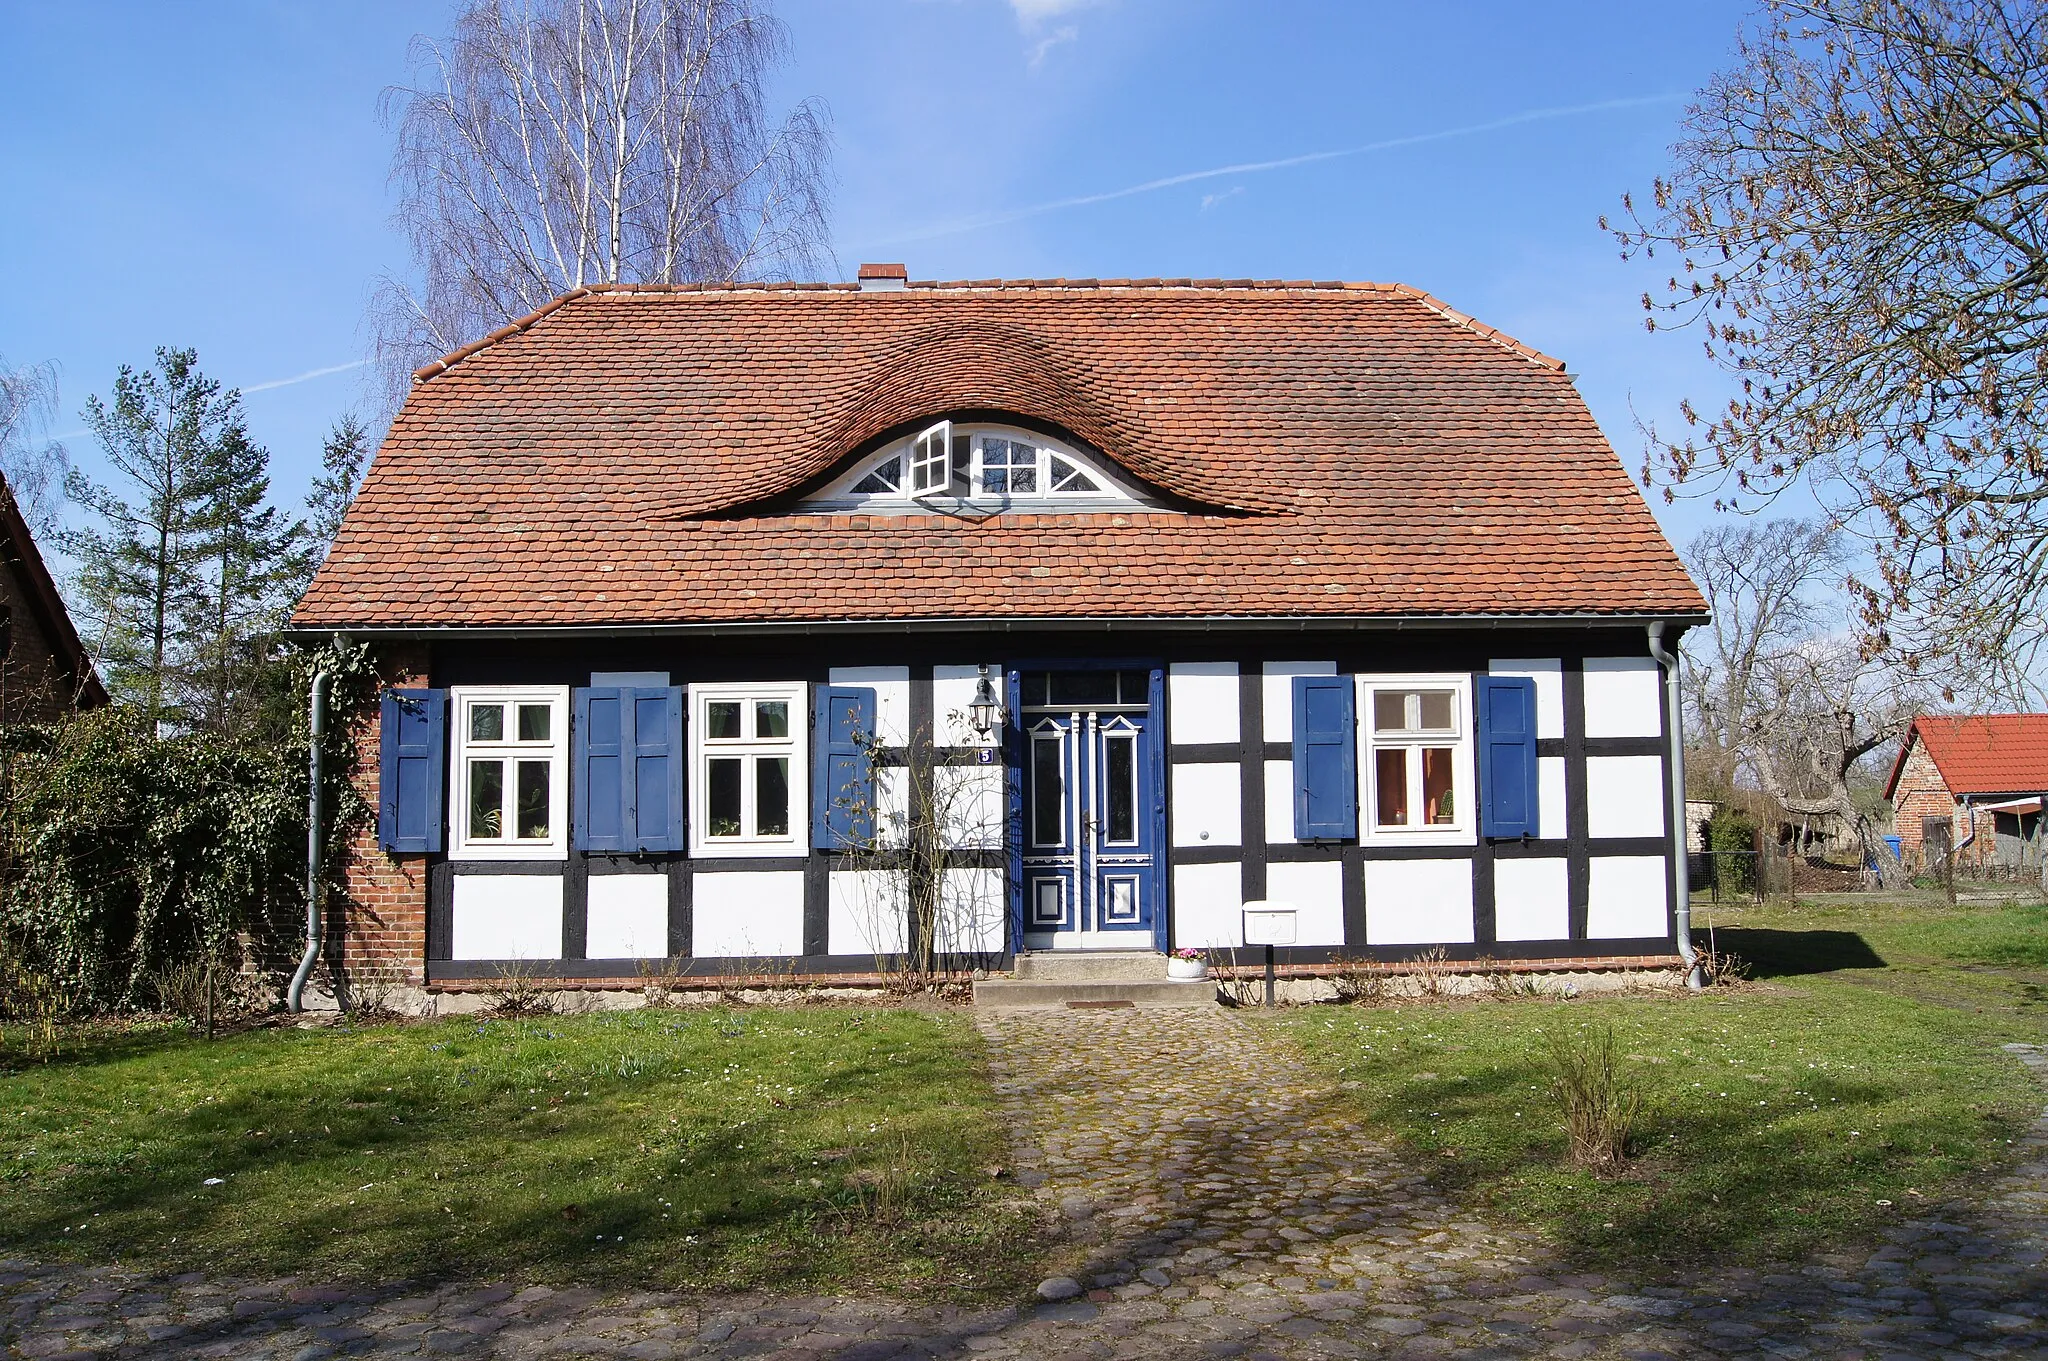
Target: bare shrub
1432 972
1359 982
1601 1104
518 992
1722 968
1234 988
661 982
204 991
35 999
1503 984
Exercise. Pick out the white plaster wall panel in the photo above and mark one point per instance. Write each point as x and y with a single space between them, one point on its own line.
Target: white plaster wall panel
1277 695
1531 900
1208 906
891 685
1626 896
1316 888
742 913
971 909
1550 809
1280 802
1623 697
1207 805
1418 902
892 801
1201 701
971 800
627 917
953 690
1548 673
506 916
1624 796
863 913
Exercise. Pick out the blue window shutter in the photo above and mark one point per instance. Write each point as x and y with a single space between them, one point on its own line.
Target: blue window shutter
600 750
843 791
412 769
1325 759
1507 756
657 787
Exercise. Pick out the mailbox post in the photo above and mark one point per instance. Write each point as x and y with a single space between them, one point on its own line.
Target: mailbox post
1269 924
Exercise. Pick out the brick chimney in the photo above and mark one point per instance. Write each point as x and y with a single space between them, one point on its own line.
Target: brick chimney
883 278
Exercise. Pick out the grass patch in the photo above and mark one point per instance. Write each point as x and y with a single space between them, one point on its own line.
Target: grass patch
712 1149
1778 1121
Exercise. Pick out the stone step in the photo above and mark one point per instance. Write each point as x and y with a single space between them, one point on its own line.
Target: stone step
1079 966
1029 992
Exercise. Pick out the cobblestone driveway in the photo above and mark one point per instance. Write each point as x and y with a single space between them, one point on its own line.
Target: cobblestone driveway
1221 1205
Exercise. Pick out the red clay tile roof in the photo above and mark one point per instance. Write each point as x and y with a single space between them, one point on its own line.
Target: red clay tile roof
1982 753
1337 449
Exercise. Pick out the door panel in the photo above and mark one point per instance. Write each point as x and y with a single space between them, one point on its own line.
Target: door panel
1089 825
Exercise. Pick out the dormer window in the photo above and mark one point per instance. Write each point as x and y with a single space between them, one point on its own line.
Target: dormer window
984 469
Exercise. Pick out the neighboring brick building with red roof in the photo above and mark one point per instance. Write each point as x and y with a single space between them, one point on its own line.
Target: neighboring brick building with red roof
44 668
1982 775
651 558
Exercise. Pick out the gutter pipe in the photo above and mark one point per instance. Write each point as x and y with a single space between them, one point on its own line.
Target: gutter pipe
1681 880
294 1000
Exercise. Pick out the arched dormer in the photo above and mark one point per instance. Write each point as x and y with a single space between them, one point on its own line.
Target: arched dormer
979 467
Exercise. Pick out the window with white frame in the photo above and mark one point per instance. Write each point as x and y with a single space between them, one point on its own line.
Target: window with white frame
510 795
1002 466
1416 740
748 772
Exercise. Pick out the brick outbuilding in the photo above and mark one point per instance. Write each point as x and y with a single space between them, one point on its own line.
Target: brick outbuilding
1982 777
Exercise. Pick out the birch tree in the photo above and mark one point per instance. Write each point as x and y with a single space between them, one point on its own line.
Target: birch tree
558 143
33 465
1856 228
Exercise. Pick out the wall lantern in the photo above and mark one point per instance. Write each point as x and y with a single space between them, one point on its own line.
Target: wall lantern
984 712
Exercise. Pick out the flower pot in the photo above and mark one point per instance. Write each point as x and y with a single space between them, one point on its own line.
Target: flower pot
1187 970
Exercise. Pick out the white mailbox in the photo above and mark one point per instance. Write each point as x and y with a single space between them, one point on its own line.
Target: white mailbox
1268 923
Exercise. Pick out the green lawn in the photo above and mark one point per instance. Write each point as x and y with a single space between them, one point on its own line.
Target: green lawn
713 1149
1859 1081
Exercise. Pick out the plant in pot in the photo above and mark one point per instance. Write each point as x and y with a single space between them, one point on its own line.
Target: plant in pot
1187 964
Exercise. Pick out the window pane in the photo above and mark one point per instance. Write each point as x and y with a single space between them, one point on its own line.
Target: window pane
1031 687
486 722
533 800
1390 787
771 796
722 718
1045 792
1121 797
722 789
1390 711
535 721
1436 711
771 718
1134 687
486 799
1437 809
995 480
1024 478
886 477
1084 689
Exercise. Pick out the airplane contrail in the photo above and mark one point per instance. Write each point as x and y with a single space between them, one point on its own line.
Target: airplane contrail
306 376
969 224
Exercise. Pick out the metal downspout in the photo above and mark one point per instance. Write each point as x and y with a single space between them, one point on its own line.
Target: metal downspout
1681 880
314 763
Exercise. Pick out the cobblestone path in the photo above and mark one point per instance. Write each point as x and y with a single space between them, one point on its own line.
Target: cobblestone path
1221 1206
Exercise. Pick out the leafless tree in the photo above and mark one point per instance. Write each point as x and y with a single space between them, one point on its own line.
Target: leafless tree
1782 698
33 465
1857 228
559 143
1770 586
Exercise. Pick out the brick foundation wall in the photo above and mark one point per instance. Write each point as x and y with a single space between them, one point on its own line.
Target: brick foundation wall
377 931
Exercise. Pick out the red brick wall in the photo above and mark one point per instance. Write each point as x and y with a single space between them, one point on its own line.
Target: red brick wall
378 932
1921 793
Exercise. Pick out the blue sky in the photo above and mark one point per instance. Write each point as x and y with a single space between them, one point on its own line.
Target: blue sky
216 175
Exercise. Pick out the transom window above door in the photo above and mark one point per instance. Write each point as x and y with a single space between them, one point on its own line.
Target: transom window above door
980 467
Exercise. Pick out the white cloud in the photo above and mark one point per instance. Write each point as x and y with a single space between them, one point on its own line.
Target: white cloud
1031 13
1065 33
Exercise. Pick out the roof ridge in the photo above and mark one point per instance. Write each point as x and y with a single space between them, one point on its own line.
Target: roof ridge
1430 301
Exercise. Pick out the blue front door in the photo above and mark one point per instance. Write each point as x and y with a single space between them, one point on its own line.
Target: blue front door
1091 808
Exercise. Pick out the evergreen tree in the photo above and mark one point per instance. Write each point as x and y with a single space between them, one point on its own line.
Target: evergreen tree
341 469
140 569
252 564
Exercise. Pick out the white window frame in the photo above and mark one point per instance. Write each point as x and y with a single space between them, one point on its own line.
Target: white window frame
1464 790
931 450
1044 454
460 697
1112 487
796 746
